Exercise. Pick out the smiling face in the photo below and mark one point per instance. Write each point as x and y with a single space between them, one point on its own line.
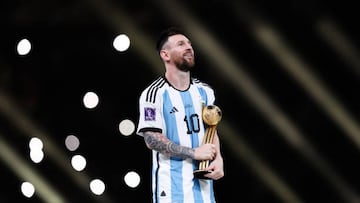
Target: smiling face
179 52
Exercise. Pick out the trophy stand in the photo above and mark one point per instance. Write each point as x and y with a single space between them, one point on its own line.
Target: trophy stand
211 115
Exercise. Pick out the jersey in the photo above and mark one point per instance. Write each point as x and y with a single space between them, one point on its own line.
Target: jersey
178 115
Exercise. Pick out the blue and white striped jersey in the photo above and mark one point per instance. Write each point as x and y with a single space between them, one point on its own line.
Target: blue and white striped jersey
176 114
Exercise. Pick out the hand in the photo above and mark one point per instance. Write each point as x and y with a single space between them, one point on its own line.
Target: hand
205 152
217 169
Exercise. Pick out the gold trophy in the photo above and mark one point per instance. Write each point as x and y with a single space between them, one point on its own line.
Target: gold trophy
211 115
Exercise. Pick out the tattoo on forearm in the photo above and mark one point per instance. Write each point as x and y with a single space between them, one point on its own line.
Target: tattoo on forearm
159 142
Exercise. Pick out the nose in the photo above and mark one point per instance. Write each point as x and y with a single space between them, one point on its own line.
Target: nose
188 45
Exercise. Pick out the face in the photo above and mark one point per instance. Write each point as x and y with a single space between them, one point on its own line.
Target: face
180 52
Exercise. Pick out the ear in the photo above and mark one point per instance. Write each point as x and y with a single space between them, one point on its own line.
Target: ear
164 55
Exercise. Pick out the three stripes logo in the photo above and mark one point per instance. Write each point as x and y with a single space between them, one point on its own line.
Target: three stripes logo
173 110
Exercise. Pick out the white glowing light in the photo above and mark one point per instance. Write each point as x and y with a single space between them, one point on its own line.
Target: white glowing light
27 189
132 179
126 127
97 186
121 42
91 100
36 155
36 144
23 47
78 162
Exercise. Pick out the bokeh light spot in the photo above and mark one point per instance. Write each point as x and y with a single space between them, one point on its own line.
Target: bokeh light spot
132 179
121 42
23 47
97 186
78 162
91 100
72 142
27 189
126 127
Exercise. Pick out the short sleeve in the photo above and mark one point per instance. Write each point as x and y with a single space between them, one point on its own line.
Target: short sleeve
150 116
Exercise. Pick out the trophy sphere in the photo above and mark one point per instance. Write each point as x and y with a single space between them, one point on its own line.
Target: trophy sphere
211 114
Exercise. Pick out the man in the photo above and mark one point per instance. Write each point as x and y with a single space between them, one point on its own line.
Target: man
171 123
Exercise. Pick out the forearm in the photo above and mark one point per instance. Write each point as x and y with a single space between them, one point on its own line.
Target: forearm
216 142
160 143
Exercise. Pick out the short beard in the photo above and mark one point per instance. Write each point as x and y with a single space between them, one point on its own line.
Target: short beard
184 65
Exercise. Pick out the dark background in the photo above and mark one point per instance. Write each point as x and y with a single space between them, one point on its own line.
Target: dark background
302 148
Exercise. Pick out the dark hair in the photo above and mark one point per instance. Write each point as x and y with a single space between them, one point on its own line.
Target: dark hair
164 36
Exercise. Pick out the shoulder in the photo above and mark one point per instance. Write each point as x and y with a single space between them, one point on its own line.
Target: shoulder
156 84
153 89
206 91
200 83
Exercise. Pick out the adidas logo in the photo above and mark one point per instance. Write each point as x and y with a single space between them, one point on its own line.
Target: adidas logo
173 110
163 194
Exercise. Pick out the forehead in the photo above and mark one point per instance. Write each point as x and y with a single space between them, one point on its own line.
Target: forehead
177 38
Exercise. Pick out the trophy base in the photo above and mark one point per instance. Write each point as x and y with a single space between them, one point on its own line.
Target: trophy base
200 174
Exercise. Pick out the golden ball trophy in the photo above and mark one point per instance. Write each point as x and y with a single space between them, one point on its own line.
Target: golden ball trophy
211 115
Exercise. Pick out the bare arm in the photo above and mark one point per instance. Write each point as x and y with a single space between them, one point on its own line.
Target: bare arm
160 143
216 142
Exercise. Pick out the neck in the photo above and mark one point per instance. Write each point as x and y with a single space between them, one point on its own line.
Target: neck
178 79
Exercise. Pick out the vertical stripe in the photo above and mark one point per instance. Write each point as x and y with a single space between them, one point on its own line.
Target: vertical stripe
190 113
173 134
156 177
191 116
203 95
212 197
